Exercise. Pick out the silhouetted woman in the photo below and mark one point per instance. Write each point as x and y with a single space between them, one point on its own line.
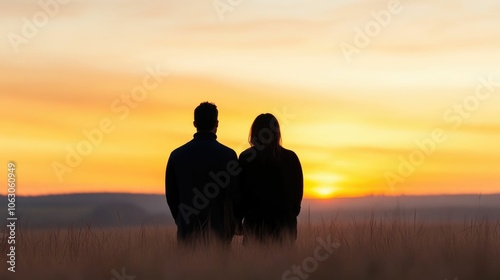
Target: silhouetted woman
271 185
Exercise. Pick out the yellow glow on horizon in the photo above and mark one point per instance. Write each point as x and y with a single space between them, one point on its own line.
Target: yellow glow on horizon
322 192
321 185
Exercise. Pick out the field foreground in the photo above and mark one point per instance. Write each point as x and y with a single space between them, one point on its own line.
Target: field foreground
351 250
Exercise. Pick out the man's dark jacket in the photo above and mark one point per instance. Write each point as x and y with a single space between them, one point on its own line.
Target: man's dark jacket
201 186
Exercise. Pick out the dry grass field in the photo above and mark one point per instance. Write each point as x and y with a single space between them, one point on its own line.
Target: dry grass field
377 249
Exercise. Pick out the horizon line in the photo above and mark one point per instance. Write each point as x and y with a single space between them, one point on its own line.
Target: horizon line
305 198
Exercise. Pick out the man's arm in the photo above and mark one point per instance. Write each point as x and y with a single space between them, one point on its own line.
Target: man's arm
172 189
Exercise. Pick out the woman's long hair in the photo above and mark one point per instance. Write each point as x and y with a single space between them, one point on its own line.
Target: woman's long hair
265 136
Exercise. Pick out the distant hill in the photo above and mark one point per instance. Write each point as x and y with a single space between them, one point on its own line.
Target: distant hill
122 209
438 208
97 209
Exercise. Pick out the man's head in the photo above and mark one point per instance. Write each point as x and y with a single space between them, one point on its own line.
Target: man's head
205 117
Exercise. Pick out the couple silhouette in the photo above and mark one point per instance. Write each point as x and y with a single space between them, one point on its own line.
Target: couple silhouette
214 195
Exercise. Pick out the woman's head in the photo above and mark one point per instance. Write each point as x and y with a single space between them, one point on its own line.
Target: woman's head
265 134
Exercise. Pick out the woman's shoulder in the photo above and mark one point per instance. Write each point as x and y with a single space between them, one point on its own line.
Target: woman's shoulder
247 153
286 153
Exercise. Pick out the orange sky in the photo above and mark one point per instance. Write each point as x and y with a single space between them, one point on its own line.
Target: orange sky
353 121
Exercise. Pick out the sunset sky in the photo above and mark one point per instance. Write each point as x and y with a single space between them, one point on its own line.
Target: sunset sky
353 117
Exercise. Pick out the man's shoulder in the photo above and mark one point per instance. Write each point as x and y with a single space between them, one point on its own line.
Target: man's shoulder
181 149
225 149
214 146
286 154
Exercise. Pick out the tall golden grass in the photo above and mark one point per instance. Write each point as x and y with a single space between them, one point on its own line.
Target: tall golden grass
376 249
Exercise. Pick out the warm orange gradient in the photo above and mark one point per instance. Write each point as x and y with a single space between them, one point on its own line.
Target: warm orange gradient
351 123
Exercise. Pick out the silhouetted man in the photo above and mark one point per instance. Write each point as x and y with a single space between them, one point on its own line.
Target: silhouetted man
201 183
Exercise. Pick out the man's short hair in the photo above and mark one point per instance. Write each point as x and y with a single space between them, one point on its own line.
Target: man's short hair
205 116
